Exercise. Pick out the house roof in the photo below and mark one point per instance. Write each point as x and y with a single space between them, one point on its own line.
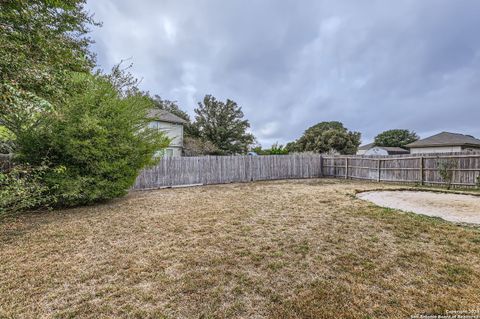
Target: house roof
389 150
366 147
446 139
397 150
165 116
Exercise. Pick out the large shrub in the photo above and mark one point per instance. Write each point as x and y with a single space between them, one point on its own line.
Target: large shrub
24 188
77 137
99 135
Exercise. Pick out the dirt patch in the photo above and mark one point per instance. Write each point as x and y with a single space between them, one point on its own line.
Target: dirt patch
451 207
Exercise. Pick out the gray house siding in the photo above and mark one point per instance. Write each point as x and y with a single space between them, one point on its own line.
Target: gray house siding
175 132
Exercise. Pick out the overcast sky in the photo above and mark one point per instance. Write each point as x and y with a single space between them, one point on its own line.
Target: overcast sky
373 65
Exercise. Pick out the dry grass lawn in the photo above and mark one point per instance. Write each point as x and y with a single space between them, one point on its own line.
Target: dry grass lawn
285 249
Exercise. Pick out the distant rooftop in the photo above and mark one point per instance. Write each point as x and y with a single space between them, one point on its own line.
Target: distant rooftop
393 149
165 116
366 147
446 139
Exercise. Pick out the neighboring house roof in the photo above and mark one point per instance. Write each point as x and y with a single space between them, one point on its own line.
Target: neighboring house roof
389 150
446 139
165 116
394 150
366 147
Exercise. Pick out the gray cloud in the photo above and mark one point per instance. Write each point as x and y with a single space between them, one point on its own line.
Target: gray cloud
373 65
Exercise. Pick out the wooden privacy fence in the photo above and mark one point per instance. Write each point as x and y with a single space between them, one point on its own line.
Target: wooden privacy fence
421 169
178 171
418 169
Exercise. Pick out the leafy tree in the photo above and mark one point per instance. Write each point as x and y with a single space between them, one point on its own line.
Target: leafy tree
395 138
21 113
6 141
99 137
293 147
77 138
223 125
326 137
257 149
276 149
40 42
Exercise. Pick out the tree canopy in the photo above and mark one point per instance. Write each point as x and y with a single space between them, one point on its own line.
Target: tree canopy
41 41
327 137
76 136
219 128
224 125
275 149
395 138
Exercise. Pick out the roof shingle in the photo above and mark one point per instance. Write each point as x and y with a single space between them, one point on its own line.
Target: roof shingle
165 116
446 139
366 147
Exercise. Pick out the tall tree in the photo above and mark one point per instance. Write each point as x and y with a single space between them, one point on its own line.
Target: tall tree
396 138
41 41
224 125
327 137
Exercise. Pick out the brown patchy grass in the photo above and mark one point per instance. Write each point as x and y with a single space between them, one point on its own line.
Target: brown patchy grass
286 249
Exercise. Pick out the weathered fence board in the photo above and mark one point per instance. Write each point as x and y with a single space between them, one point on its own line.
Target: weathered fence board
178 171
421 169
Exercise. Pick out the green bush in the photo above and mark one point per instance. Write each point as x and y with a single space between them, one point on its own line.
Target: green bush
99 135
23 188
276 149
78 137
445 170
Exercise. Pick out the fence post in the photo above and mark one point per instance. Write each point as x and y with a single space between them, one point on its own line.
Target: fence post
422 170
346 167
379 170
321 165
